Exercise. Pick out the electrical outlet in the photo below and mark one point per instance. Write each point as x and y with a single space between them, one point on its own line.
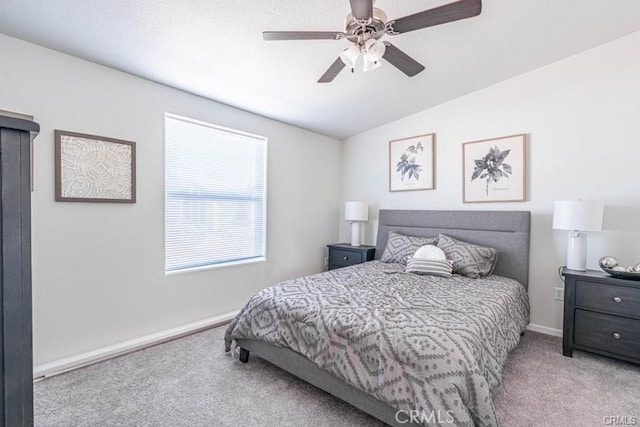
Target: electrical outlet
326 261
559 294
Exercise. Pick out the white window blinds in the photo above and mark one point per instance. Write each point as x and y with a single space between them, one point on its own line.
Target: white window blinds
215 195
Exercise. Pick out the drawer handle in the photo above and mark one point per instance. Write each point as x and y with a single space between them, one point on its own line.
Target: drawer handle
617 299
616 335
345 258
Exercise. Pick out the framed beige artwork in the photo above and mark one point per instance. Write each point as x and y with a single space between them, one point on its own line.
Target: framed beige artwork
93 168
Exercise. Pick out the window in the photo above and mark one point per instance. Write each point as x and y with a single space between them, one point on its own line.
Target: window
215 195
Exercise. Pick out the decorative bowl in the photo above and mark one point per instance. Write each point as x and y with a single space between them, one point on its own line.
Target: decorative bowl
608 262
622 274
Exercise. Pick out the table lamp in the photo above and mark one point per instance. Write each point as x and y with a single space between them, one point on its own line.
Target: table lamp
356 212
577 216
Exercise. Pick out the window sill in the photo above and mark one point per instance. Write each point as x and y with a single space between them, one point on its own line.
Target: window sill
215 266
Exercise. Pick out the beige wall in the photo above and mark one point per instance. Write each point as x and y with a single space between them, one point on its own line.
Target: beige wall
581 114
98 268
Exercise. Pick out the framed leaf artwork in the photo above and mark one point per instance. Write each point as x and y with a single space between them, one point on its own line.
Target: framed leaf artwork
494 170
412 163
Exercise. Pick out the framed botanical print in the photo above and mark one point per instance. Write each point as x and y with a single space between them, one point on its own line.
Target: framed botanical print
494 170
412 163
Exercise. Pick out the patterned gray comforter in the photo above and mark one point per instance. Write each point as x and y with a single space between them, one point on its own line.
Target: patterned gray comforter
419 343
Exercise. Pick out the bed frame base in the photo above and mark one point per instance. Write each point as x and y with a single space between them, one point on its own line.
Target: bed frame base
306 370
244 355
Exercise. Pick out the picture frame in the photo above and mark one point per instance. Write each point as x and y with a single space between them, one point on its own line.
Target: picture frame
90 168
495 170
412 163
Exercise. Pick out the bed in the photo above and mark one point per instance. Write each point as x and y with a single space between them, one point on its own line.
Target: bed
399 346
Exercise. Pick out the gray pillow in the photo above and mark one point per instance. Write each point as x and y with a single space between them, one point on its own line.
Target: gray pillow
434 267
401 247
468 259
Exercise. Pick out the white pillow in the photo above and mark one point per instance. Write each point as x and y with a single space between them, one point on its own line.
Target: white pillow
430 252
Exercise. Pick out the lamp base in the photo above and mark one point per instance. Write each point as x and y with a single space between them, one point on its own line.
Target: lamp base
355 233
577 251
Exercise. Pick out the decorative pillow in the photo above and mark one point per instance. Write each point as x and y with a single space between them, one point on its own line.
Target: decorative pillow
434 267
430 252
468 259
400 247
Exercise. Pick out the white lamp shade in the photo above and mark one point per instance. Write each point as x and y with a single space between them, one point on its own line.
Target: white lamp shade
369 65
356 211
577 215
374 49
350 55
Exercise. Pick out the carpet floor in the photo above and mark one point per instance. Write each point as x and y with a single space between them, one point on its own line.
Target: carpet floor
192 382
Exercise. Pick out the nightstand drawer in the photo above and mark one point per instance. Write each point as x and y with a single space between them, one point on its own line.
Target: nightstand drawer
344 255
607 333
610 298
343 258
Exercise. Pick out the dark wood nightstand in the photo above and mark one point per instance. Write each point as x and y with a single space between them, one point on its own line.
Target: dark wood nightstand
601 315
343 255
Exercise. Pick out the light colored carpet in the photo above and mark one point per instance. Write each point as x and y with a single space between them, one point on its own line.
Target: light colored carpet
192 382
541 387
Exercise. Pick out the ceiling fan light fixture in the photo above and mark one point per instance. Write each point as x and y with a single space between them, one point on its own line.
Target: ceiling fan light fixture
370 64
364 27
350 55
374 49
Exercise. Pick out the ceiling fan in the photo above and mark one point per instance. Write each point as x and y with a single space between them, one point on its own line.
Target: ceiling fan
366 25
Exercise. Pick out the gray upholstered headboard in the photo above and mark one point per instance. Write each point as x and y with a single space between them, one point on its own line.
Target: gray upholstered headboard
507 231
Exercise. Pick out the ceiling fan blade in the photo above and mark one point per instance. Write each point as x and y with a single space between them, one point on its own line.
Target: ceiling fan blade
401 60
440 15
302 35
332 72
362 9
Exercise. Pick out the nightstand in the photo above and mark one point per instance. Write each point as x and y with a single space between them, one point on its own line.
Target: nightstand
601 315
343 255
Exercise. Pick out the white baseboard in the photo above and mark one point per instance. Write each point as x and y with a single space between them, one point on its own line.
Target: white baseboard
84 359
544 330
74 362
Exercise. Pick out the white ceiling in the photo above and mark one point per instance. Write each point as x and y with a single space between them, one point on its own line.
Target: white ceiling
214 48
